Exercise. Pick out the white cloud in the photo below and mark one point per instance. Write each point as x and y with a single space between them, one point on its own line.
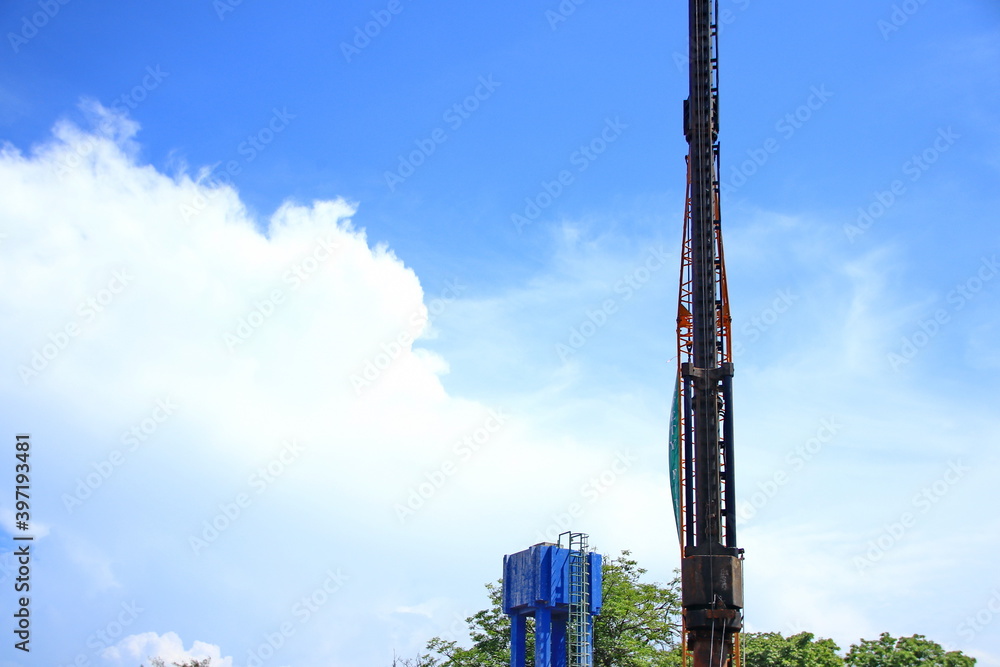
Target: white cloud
168 646
128 290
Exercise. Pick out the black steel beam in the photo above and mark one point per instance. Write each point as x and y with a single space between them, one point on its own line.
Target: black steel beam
711 572
701 139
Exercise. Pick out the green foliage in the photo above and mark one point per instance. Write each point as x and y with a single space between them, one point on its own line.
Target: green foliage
639 626
640 622
915 651
770 649
419 661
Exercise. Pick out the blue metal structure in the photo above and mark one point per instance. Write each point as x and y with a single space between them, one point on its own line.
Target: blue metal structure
561 588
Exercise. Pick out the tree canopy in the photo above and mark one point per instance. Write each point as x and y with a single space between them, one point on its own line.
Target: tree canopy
904 652
640 626
770 649
640 622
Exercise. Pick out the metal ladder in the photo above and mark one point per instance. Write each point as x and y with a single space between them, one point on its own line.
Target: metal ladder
579 652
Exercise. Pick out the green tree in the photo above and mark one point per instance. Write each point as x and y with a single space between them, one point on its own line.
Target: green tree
915 651
770 649
639 624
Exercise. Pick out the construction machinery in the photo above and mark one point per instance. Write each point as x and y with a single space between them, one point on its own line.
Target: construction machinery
701 443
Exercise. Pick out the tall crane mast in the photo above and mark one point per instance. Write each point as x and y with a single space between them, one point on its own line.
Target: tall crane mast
703 476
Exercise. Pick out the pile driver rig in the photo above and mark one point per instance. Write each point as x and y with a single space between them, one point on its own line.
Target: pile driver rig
701 443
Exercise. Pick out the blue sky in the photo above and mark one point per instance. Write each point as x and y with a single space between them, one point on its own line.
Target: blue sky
385 308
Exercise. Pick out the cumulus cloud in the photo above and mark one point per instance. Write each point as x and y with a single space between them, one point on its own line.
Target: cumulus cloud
199 357
168 647
226 383
132 285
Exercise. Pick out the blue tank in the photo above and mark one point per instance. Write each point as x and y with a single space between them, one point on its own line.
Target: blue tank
561 589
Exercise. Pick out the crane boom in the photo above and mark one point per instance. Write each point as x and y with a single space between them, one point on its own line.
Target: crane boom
711 563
